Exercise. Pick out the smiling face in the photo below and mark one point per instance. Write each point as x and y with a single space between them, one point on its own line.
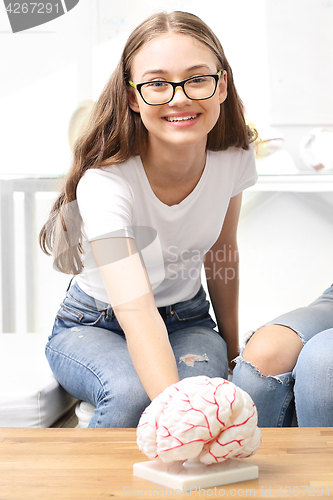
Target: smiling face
175 57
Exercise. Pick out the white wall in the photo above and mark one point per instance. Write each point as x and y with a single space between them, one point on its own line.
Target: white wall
45 72
300 45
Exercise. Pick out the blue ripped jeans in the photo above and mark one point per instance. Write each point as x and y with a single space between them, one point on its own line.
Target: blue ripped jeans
309 387
88 355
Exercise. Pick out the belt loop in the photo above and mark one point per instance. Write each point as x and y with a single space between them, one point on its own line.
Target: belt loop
109 314
168 312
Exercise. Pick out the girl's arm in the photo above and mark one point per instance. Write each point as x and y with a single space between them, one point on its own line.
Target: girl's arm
221 266
132 300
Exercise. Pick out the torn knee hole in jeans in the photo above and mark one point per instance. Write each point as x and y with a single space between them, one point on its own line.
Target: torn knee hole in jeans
281 378
189 359
250 333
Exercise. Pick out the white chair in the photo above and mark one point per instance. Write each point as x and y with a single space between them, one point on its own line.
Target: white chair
84 412
30 396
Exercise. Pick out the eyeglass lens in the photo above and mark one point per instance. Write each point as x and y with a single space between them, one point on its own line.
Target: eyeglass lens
159 92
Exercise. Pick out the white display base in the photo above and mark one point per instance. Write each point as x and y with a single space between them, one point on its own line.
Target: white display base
176 475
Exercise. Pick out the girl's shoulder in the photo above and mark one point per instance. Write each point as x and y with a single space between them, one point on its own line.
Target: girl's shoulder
109 177
234 166
106 186
111 171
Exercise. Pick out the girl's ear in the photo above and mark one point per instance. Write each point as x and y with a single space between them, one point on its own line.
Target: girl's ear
132 100
223 87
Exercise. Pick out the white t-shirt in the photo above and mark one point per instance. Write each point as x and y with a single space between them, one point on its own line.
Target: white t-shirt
119 201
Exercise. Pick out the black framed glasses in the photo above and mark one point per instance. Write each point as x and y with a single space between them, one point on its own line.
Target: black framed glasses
196 88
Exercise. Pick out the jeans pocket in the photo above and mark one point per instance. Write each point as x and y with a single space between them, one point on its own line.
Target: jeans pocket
193 312
84 316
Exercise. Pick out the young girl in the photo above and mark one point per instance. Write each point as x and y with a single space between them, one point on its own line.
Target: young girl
154 190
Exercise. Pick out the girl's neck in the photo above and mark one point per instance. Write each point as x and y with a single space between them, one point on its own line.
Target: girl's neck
174 164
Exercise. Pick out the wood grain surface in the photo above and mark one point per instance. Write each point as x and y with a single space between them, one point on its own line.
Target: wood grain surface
96 464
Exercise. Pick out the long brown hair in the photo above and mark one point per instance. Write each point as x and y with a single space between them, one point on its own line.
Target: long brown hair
115 133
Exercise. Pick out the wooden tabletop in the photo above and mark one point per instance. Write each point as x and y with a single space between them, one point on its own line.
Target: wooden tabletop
96 464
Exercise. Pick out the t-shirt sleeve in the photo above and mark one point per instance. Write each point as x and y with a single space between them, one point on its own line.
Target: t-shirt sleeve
105 202
247 174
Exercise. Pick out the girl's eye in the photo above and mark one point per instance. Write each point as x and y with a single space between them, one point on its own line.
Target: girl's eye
198 79
156 84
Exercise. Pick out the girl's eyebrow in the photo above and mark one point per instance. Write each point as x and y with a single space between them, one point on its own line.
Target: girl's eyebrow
153 72
163 72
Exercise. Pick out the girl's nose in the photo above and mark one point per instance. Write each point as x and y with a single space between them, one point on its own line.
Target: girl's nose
179 99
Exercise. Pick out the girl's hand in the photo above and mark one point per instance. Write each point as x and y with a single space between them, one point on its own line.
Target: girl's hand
132 300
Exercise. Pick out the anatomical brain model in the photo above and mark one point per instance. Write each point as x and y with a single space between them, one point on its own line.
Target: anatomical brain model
208 418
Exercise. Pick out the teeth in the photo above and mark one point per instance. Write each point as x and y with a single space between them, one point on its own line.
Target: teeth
180 118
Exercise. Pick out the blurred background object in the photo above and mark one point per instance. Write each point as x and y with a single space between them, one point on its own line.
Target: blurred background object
316 150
